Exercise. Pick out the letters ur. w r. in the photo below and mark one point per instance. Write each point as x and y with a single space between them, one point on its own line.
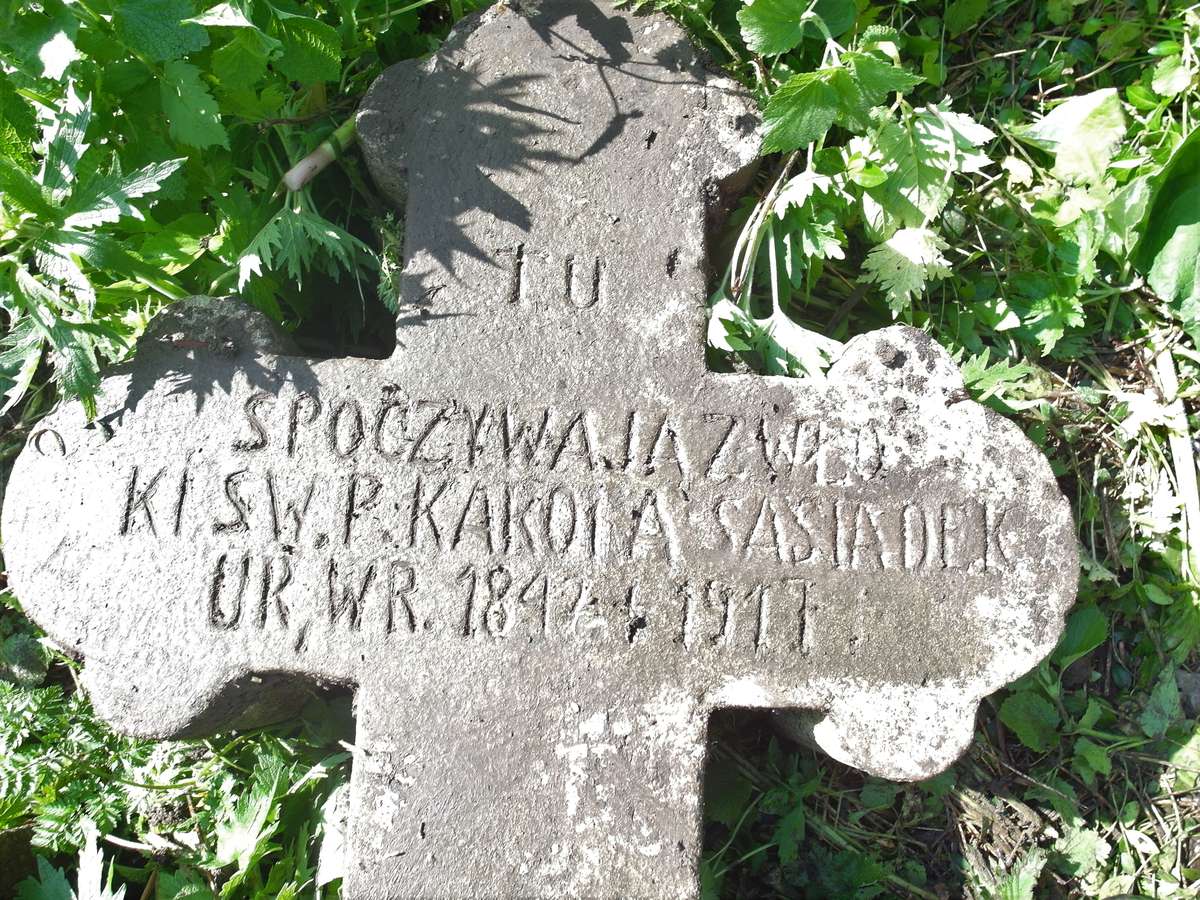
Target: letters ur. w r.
541 540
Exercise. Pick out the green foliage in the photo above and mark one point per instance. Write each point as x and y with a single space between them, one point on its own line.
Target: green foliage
141 144
1032 204
51 883
1020 180
238 817
1033 719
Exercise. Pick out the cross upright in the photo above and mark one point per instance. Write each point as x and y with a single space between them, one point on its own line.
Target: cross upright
541 540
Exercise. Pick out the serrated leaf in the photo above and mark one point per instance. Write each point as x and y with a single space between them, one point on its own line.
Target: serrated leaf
1047 317
193 117
91 868
20 361
50 884
242 62
1080 851
312 50
921 152
815 235
156 28
770 27
878 794
789 834
104 252
1032 719
182 885
804 107
70 344
243 832
174 246
65 145
800 112
107 197
985 379
1164 707
43 40
1092 759
727 794
1021 881
904 263
18 126
797 191
293 241
878 79
18 190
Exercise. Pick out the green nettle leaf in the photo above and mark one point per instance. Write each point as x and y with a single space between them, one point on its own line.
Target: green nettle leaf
20 360
804 107
904 263
18 126
770 27
243 833
242 62
312 50
1033 719
1047 317
921 153
1082 134
64 139
156 30
789 834
106 198
1092 760
800 112
43 41
877 78
193 117
1080 850
293 241
183 885
879 794
70 343
1164 708
19 190
727 794
50 884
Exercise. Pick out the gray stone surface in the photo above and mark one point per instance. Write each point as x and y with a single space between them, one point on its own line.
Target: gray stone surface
542 541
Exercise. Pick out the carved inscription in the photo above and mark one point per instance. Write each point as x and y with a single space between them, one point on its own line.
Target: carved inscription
496 519
545 278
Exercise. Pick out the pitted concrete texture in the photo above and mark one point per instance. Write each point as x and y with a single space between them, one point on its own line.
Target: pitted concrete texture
542 541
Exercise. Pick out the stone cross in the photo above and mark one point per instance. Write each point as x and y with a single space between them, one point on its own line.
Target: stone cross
541 540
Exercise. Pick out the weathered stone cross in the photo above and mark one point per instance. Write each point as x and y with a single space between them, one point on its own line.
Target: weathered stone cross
542 540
